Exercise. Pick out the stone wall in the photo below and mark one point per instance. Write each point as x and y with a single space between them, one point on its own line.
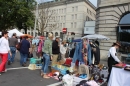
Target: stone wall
108 17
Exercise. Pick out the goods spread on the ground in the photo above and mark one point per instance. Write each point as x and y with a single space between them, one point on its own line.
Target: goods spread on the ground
94 75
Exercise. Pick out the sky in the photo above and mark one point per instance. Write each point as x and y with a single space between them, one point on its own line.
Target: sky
92 1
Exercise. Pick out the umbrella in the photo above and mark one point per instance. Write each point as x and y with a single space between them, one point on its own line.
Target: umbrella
96 36
29 36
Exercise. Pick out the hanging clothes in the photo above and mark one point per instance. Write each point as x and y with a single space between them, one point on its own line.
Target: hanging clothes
96 52
78 55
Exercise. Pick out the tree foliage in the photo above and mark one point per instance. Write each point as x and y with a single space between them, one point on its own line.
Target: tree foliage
16 13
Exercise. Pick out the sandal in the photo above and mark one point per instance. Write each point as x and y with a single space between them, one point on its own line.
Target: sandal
46 77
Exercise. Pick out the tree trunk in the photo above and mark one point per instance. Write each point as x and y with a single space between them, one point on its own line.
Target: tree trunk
25 29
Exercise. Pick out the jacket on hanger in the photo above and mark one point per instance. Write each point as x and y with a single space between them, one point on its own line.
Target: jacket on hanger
78 55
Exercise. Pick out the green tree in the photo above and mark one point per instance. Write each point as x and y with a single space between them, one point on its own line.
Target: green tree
16 13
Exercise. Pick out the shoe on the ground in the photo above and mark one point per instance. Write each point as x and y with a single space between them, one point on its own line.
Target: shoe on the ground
24 65
46 77
4 71
9 62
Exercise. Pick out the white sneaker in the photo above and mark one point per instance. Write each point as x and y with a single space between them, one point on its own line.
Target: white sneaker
4 71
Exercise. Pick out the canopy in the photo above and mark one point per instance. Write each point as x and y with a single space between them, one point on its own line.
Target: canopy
18 33
29 36
96 36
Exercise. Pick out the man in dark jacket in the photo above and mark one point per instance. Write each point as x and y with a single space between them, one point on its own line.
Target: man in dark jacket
24 50
55 50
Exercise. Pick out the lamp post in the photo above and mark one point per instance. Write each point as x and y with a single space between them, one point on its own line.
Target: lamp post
36 14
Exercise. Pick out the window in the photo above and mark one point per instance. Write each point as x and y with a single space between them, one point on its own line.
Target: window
64 17
56 34
72 16
60 24
61 17
90 13
72 9
65 10
59 10
56 18
76 8
71 25
29 33
75 16
63 25
62 10
75 24
87 11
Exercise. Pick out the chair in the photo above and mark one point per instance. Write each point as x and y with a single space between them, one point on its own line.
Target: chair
128 58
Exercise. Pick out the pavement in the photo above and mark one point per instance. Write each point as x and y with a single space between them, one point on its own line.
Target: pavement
22 76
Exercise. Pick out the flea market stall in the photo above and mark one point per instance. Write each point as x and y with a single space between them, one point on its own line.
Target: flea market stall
78 70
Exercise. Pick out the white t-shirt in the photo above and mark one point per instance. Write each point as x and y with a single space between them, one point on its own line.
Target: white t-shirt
112 51
4 45
62 49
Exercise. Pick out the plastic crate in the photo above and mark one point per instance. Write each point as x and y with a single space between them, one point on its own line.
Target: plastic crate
35 61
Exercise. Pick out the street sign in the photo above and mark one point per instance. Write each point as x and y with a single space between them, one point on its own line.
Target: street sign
64 30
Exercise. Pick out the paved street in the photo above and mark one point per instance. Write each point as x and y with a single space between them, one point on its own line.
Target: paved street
25 77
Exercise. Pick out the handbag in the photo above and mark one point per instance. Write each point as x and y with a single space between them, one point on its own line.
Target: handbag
18 46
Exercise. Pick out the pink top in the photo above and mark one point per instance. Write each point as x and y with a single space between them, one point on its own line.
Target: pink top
40 46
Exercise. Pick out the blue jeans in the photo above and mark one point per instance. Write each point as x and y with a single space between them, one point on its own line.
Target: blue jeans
13 51
46 63
23 58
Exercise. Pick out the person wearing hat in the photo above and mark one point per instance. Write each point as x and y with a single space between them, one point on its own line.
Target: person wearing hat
47 54
112 57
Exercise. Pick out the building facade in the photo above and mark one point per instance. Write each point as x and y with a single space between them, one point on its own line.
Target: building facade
70 14
113 21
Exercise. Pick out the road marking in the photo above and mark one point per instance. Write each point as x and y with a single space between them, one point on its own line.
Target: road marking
17 68
55 84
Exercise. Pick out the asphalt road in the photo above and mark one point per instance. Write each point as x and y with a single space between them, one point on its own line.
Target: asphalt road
23 77
26 77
